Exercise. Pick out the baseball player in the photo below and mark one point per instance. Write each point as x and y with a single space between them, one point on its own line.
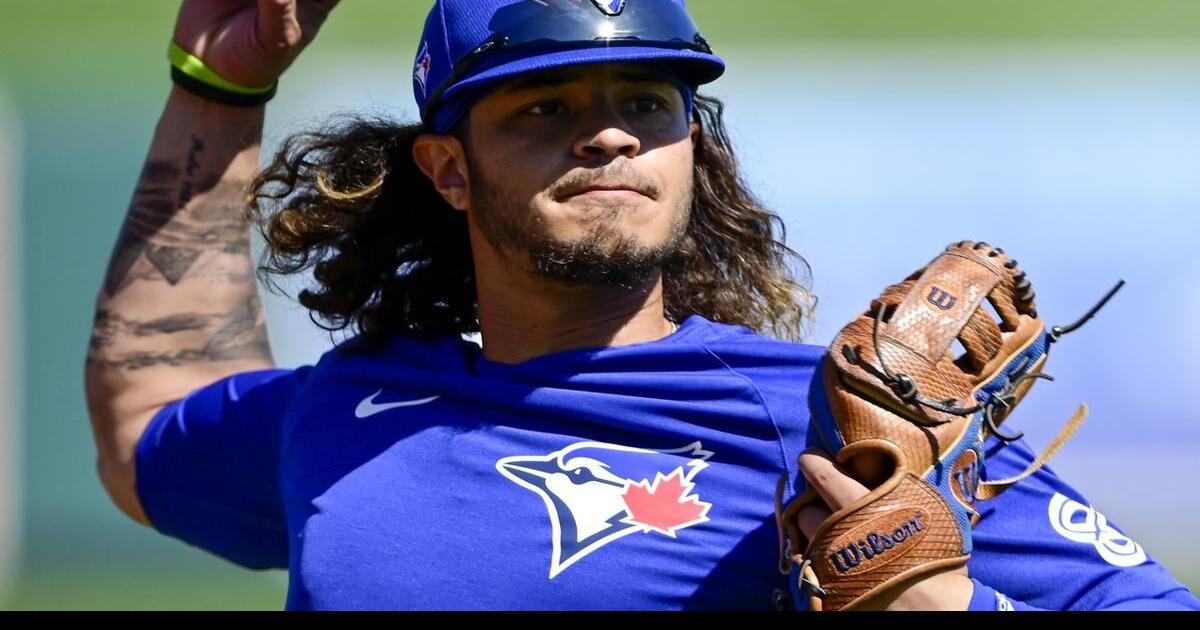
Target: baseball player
625 435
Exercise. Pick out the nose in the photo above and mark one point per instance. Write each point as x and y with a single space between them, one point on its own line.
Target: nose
608 138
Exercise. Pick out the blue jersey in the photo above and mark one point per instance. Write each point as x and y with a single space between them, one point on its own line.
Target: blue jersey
420 475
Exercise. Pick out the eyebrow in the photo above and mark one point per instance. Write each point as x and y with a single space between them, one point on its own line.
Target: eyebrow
561 78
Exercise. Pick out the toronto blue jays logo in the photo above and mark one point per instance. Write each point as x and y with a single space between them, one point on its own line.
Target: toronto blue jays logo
610 7
422 67
597 493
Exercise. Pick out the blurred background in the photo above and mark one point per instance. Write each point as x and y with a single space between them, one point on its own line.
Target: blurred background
1067 131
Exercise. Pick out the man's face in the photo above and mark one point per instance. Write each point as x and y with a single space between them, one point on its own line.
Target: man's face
584 174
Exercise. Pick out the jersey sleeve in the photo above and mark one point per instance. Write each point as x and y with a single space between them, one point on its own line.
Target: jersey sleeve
207 467
1042 545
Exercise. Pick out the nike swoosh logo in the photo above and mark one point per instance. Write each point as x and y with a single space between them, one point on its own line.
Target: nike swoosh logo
368 407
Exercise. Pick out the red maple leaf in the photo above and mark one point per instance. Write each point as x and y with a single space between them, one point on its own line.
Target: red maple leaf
664 506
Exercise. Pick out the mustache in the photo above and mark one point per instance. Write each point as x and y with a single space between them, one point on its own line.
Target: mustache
618 173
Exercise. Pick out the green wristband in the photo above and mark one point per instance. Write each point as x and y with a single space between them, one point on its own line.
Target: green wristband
190 72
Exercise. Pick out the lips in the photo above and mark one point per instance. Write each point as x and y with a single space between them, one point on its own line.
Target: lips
604 188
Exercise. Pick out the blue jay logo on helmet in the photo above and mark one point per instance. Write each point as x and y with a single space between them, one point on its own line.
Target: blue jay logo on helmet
610 7
422 67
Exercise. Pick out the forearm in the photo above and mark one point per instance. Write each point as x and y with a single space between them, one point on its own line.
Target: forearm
179 305
985 598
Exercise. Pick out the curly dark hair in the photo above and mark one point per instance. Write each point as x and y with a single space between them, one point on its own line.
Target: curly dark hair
389 255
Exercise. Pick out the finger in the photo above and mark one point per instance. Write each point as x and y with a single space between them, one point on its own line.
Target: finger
810 518
313 13
278 26
837 488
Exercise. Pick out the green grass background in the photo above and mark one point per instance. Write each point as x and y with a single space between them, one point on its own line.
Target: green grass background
87 79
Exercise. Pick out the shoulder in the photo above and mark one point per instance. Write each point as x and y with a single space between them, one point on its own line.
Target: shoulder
741 348
396 350
780 372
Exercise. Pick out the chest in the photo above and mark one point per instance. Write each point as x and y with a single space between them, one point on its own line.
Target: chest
542 505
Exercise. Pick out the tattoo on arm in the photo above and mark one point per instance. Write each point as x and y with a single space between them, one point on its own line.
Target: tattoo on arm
238 335
163 241
163 231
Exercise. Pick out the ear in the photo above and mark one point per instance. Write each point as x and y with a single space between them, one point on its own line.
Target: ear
694 132
444 162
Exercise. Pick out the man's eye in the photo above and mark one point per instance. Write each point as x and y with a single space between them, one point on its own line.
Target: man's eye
646 105
547 108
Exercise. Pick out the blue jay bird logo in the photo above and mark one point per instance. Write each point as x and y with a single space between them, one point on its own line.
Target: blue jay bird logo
422 67
597 493
610 7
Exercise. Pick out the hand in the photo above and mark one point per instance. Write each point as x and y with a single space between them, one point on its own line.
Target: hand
249 42
950 590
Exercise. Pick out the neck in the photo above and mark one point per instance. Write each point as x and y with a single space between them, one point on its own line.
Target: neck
523 317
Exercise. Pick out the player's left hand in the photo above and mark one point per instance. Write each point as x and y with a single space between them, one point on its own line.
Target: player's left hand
950 590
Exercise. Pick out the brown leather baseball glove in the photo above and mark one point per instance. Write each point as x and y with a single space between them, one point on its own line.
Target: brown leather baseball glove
907 415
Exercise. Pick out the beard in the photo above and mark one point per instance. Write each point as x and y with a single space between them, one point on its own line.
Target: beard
602 257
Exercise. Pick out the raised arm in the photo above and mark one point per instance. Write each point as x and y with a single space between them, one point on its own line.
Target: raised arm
179 306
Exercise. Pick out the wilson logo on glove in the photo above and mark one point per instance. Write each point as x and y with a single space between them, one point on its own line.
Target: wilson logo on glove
878 542
941 299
